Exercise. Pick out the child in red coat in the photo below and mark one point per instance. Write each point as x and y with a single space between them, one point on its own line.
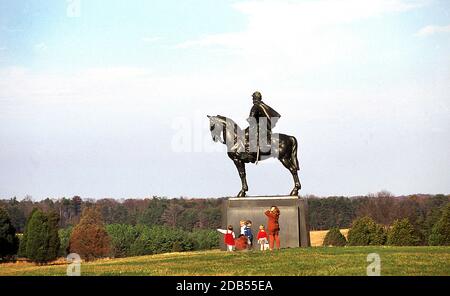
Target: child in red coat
273 226
242 243
262 238
228 237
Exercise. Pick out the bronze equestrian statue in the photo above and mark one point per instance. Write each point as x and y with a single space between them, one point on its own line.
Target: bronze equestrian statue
256 142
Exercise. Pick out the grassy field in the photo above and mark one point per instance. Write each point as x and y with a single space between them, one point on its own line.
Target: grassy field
299 261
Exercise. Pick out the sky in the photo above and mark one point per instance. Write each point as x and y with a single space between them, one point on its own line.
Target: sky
109 98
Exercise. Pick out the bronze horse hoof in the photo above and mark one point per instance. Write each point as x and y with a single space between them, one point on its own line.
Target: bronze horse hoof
241 194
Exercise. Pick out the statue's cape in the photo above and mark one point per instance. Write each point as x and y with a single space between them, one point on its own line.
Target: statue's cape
268 112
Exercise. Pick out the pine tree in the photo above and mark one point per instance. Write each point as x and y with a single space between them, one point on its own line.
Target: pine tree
40 241
53 237
440 233
402 234
23 242
8 239
334 237
365 231
89 238
36 245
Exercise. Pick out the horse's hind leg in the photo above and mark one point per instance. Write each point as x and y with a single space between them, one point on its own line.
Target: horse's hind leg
297 183
291 167
240 165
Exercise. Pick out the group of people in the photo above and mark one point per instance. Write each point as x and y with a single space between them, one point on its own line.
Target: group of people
266 239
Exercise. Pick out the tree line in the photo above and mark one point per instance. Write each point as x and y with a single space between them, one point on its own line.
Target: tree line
189 214
384 208
42 241
111 228
365 231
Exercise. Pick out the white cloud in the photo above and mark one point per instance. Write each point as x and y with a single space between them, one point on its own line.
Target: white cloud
122 88
282 41
270 22
141 90
298 36
431 30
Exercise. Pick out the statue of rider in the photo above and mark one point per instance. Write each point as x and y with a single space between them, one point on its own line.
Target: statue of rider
261 120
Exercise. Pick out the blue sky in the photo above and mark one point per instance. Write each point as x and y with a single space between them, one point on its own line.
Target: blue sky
96 104
136 33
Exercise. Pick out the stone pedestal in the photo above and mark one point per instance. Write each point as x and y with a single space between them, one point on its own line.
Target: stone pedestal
294 229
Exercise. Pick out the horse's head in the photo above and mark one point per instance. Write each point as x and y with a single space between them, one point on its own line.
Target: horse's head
216 127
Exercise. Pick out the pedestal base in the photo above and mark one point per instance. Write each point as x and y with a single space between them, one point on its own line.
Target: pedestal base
294 230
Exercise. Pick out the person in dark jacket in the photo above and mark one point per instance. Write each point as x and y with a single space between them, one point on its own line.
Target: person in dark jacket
248 233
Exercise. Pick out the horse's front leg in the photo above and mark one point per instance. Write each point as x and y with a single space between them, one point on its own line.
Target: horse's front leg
240 165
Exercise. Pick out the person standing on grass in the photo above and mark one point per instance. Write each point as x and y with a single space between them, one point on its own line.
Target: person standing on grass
243 226
273 227
228 237
248 233
262 237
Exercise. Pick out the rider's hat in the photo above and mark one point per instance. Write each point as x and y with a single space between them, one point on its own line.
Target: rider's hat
257 95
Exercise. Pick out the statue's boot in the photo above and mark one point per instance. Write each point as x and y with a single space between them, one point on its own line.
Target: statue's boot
246 156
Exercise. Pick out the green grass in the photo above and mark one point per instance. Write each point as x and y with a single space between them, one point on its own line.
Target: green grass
301 261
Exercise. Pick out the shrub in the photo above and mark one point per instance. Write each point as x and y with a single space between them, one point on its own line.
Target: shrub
365 231
8 240
378 236
42 242
122 238
89 238
440 233
165 239
205 239
142 244
64 238
402 234
334 237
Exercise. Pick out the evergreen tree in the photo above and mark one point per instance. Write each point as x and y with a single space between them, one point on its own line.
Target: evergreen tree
53 237
122 237
152 215
16 216
402 234
440 233
23 242
334 237
42 241
8 239
365 232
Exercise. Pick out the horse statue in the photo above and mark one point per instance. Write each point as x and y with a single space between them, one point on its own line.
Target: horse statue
283 147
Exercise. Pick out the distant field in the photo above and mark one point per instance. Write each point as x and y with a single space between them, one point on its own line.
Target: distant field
298 261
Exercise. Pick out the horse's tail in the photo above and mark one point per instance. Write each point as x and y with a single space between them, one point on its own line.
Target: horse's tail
294 152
